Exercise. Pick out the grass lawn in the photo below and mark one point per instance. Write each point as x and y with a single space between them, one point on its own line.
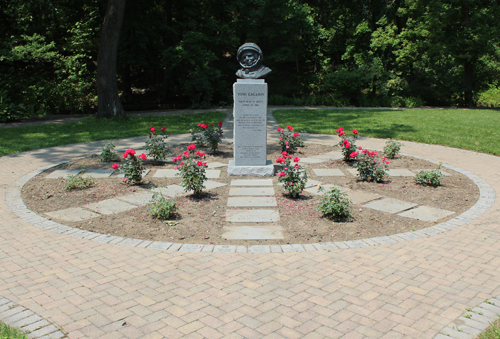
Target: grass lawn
7 332
493 332
473 129
20 139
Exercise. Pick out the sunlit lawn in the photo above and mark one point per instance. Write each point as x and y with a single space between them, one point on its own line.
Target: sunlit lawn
20 139
474 129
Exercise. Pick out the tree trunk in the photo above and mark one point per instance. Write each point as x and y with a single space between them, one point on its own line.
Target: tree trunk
109 104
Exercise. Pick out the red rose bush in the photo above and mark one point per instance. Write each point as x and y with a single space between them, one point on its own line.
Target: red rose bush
192 170
132 168
292 176
289 140
207 136
156 145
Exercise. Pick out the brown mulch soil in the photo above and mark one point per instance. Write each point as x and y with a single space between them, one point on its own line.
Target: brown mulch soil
201 220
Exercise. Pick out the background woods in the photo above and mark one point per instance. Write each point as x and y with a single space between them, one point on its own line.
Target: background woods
174 54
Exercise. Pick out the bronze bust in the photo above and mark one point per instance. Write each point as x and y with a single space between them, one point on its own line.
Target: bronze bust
250 58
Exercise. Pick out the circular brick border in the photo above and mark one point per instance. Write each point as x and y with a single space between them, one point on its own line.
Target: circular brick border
28 321
16 205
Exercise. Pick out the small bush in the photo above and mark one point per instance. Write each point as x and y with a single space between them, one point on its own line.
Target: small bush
155 145
161 207
293 177
489 98
289 141
369 168
334 205
348 143
132 168
9 332
392 148
108 152
430 178
208 136
192 170
77 182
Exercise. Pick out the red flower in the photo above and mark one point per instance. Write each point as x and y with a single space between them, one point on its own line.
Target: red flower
186 153
201 154
204 126
296 134
212 125
296 159
176 167
280 160
354 154
205 164
163 128
281 138
281 174
347 145
131 151
355 131
125 154
191 147
115 166
199 163
220 123
340 130
284 153
290 128
152 129
296 166
143 156
182 163
342 133
279 129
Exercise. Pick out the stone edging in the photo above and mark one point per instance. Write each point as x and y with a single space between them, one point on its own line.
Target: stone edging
16 204
473 321
28 321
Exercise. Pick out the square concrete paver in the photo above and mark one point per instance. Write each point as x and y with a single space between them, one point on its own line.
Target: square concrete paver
390 205
139 198
311 160
252 232
62 173
360 197
426 213
238 215
326 188
353 171
72 214
216 165
252 182
170 190
213 174
328 172
251 201
400 172
97 173
166 173
122 175
249 191
110 206
209 184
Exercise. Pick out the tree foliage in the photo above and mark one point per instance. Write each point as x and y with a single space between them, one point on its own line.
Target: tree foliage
174 53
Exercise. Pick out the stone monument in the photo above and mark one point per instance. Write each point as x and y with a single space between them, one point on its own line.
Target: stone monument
250 116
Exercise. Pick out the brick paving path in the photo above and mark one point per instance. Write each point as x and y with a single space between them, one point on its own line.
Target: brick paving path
411 289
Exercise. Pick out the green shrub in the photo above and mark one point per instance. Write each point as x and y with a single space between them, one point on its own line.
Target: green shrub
431 178
369 168
77 182
132 168
155 145
208 136
334 205
161 207
293 177
192 170
289 141
108 152
392 148
489 98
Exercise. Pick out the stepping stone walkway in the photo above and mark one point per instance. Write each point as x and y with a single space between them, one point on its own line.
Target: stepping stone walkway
252 193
